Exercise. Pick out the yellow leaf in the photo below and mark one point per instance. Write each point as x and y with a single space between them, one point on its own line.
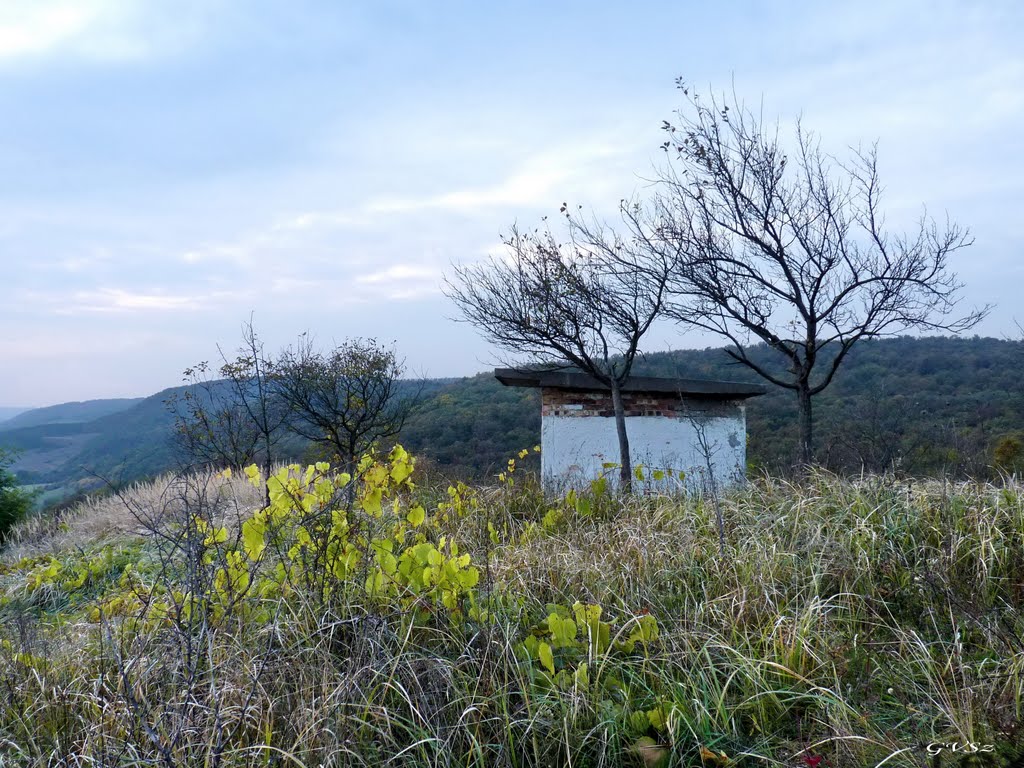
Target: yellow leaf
371 502
375 475
252 537
709 757
399 472
253 473
416 516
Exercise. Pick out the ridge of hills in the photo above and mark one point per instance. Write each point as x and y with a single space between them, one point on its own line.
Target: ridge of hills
932 405
66 413
8 412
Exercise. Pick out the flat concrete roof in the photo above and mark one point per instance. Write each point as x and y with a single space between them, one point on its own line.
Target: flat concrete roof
576 380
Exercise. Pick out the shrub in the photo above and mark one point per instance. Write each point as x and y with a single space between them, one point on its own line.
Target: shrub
14 502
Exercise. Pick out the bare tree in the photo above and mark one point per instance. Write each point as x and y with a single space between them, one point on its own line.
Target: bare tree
794 251
211 427
236 419
344 400
583 303
251 378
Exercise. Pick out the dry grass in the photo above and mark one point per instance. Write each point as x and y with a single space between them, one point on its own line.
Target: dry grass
116 517
855 620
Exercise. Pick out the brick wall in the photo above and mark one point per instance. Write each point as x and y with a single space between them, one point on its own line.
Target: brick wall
563 402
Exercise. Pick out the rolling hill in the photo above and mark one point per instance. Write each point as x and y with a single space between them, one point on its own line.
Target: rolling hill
9 412
921 405
66 413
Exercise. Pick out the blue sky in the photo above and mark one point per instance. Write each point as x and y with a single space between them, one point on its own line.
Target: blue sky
166 168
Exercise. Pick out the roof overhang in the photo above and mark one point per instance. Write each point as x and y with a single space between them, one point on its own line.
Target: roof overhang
583 382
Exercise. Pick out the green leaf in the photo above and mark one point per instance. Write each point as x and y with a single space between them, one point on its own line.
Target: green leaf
530 644
639 721
581 677
546 657
563 631
657 718
469 578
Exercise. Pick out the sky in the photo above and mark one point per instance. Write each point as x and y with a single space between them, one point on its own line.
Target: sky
170 168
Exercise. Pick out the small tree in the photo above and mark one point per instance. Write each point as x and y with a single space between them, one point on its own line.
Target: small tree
211 427
794 252
584 303
14 502
234 420
1008 454
344 400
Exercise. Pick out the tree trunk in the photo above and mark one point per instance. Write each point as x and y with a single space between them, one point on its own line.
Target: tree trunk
270 463
349 463
625 467
803 395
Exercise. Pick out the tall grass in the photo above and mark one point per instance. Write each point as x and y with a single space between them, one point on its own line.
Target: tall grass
856 621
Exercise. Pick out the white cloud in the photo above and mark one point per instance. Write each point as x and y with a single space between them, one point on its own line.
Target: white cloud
37 26
317 219
107 300
541 181
96 29
398 273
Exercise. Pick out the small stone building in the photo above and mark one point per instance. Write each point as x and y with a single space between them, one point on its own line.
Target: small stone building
690 431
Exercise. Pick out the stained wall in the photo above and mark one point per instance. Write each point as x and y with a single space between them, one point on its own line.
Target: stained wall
703 439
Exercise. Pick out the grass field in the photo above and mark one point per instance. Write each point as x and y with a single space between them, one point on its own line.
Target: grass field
393 622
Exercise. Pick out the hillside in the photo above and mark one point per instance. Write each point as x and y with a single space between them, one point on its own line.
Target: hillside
9 412
929 405
926 405
67 413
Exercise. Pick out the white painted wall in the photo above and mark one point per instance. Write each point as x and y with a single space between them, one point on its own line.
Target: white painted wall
574 448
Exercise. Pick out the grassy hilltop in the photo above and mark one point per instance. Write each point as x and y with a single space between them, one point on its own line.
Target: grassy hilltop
384 621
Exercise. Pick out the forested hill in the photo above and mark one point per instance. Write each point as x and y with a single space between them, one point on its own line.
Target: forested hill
929 406
68 413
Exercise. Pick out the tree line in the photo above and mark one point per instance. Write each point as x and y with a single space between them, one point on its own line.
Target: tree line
925 406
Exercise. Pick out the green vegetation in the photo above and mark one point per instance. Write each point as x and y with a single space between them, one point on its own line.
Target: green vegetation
15 502
924 406
423 624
